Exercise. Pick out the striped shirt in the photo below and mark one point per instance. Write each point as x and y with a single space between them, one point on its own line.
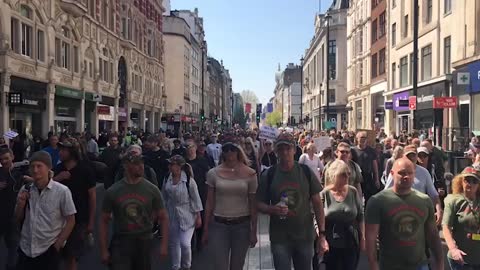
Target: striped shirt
182 207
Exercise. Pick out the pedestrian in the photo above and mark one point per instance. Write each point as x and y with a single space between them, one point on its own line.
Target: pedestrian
45 213
344 224
202 152
156 157
52 149
111 158
230 226
149 173
184 206
461 221
214 149
134 204
79 177
286 193
366 158
403 220
178 148
269 158
396 154
251 153
92 147
311 159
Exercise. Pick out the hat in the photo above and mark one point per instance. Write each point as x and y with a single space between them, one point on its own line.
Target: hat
285 138
66 144
423 150
42 156
132 158
471 172
177 159
410 149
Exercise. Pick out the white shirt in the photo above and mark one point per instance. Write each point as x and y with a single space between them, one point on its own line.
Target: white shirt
423 182
92 147
214 150
314 164
45 217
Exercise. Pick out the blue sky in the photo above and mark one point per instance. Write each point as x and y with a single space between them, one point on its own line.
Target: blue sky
254 36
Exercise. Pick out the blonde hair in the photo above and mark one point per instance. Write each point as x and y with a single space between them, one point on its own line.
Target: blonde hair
241 156
311 146
457 185
397 152
337 167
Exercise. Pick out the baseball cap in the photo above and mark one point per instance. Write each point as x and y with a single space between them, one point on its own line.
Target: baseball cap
285 138
410 149
471 172
42 156
177 159
423 150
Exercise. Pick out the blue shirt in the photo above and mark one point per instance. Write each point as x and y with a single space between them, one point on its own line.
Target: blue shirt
53 154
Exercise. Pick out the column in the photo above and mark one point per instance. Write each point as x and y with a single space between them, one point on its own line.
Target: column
81 116
143 114
49 113
94 129
339 121
151 121
4 109
115 114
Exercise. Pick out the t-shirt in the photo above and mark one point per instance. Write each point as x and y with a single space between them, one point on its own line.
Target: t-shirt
82 178
231 195
423 182
298 226
132 206
214 150
364 158
349 211
463 220
402 220
314 164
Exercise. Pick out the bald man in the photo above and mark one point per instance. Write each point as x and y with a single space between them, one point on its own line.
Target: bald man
403 219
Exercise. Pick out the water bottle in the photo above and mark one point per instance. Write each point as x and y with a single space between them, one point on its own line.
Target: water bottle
283 202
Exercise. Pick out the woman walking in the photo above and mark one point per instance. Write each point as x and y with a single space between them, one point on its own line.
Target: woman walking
461 221
184 206
231 202
310 159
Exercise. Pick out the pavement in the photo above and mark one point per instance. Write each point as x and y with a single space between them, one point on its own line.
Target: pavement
258 258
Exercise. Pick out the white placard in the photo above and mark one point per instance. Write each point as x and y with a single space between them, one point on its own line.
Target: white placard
268 133
322 142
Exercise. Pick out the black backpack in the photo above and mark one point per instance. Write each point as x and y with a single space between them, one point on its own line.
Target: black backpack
271 173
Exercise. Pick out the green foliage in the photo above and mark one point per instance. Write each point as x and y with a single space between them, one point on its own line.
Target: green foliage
273 118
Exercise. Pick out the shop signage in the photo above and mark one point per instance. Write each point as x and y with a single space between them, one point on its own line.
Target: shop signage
93 97
412 103
398 104
423 98
30 102
388 105
68 92
445 102
122 112
104 110
14 99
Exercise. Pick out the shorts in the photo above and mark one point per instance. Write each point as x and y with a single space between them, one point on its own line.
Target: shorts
76 245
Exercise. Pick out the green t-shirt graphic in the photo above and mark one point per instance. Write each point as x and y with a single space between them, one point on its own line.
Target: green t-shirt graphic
402 220
298 226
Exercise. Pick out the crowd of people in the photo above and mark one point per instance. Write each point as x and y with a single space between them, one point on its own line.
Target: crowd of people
203 192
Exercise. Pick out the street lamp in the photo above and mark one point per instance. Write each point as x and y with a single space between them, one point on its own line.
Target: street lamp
301 89
327 107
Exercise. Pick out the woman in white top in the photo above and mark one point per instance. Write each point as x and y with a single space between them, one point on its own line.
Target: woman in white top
310 159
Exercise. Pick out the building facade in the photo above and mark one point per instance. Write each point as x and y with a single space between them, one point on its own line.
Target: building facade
81 65
325 60
358 66
220 94
287 94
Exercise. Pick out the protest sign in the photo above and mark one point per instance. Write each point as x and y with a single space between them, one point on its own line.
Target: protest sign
268 133
322 142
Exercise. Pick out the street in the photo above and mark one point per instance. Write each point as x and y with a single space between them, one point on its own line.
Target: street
257 258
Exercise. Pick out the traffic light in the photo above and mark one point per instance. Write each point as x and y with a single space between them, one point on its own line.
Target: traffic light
202 115
216 118
259 112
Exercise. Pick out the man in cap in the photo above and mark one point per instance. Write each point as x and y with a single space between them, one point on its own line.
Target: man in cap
422 181
214 149
402 218
149 173
46 213
79 177
132 202
292 232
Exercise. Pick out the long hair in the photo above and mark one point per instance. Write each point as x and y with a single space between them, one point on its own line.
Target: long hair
457 185
397 152
241 156
187 168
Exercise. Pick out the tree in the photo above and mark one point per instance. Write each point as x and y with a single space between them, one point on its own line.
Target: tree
274 118
249 96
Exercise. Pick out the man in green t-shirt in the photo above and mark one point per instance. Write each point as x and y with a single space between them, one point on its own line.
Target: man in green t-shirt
286 194
403 220
132 202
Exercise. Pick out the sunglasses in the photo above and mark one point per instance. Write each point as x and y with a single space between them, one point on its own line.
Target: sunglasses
472 180
344 152
229 148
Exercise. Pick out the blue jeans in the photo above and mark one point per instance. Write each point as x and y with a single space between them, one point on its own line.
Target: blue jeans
300 253
456 266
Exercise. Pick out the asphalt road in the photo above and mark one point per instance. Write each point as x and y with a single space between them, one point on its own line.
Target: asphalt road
257 258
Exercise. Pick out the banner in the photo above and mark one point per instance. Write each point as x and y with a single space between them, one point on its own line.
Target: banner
269 107
268 133
248 108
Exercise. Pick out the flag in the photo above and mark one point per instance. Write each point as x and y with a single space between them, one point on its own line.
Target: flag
10 134
270 107
248 107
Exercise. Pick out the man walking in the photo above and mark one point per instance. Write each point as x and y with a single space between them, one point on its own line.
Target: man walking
366 158
132 202
403 220
47 213
214 149
111 157
286 192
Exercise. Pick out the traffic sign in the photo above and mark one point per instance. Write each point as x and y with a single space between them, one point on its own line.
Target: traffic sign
412 103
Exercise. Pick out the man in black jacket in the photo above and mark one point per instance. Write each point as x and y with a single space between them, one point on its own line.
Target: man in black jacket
156 158
111 157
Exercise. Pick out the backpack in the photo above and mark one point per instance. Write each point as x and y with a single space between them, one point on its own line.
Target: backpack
271 173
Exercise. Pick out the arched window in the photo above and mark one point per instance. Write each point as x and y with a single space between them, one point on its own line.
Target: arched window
105 66
28 33
66 50
126 22
137 79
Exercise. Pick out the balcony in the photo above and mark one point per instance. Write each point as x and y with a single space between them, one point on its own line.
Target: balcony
76 8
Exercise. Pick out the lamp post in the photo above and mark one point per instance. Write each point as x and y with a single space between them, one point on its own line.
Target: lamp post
202 47
327 103
301 90
415 56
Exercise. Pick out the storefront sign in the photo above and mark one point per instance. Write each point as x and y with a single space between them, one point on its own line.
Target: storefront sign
423 98
103 110
93 97
388 105
445 102
400 106
30 102
68 92
412 103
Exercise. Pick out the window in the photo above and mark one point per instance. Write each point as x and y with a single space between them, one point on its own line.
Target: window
331 96
382 22
90 70
360 42
404 71
427 62
447 65
112 16
14 35
394 4
381 62
394 34
40 45
26 40
150 43
374 66
447 5
332 59
105 12
429 11
374 31
76 61
66 50
360 81
65 55
91 8
394 74
405 26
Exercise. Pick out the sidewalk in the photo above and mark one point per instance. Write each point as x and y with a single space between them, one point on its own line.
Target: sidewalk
260 257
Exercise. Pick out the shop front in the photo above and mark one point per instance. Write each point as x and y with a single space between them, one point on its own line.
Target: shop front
402 112
69 111
26 114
